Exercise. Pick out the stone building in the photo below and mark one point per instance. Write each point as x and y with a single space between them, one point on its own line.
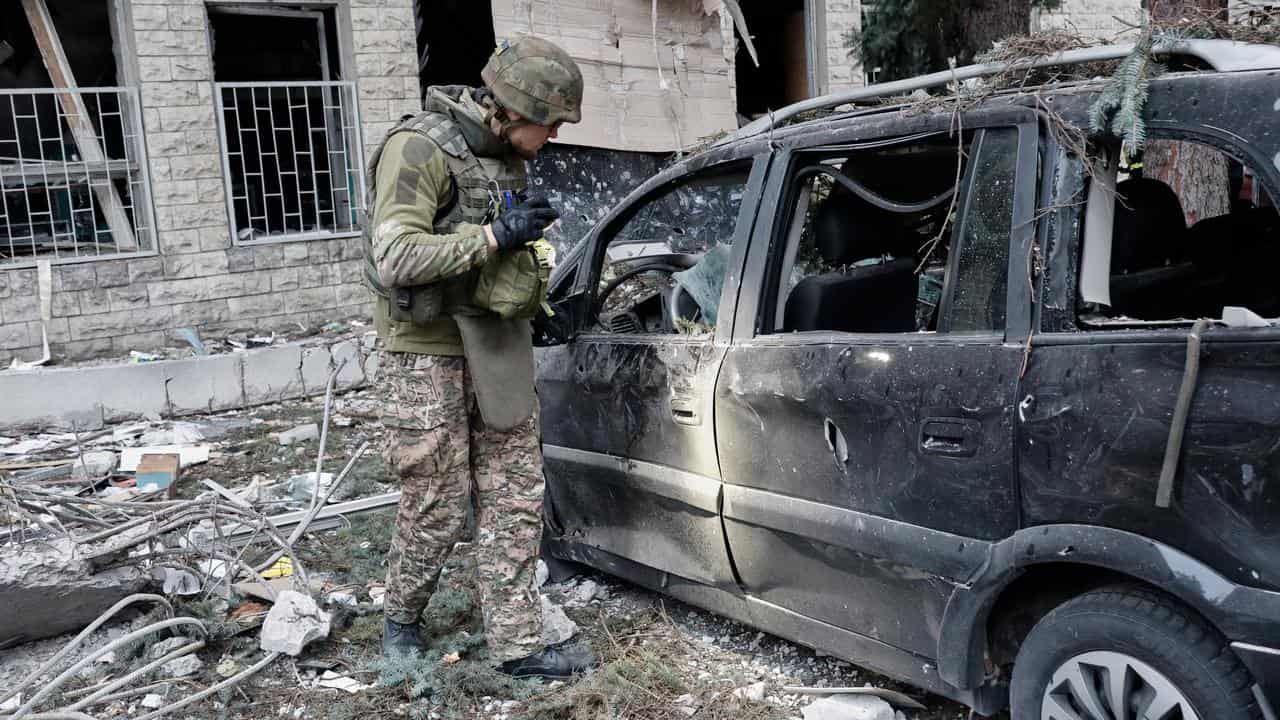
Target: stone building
173 164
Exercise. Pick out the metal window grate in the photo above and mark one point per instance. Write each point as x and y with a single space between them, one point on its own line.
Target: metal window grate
74 179
292 159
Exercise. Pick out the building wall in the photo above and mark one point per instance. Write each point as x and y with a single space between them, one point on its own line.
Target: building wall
843 72
1102 19
199 278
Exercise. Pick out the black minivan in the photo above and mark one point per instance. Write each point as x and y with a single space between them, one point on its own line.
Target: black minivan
952 390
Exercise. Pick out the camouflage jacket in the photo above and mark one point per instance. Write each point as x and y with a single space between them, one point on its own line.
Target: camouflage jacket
433 182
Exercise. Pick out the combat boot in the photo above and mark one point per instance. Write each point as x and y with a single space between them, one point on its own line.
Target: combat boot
552 663
400 639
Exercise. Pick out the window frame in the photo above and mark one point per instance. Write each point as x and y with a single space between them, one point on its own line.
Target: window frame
1066 272
587 284
757 309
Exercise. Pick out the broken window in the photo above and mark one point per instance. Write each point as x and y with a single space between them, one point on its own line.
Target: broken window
453 53
1192 231
665 259
780 36
73 173
878 241
290 131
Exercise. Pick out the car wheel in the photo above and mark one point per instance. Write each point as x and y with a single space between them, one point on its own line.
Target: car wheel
1127 653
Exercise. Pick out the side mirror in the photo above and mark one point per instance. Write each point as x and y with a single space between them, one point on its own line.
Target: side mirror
562 325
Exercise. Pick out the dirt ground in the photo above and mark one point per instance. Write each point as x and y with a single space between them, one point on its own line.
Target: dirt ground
659 658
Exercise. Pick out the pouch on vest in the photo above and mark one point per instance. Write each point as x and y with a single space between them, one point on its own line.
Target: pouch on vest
500 359
420 305
514 284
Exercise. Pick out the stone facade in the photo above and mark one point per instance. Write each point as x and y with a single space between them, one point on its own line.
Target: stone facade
198 278
1102 19
843 73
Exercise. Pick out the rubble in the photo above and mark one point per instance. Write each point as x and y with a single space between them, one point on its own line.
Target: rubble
49 588
182 667
849 707
753 692
556 626
294 621
300 434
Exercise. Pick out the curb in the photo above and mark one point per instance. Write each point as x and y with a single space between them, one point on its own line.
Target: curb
88 398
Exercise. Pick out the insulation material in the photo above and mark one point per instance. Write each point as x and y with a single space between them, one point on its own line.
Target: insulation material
659 75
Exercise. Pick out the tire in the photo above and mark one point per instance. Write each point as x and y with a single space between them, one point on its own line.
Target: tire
1165 649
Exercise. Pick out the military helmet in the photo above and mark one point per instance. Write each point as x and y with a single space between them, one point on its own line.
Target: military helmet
536 79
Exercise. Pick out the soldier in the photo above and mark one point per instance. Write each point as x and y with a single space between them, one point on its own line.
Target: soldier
448 255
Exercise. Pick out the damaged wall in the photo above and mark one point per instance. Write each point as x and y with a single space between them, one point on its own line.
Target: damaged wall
199 278
643 92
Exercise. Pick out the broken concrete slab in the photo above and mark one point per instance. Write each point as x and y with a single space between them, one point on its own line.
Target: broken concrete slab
273 374
352 373
849 707
94 465
317 363
294 621
48 588
203 385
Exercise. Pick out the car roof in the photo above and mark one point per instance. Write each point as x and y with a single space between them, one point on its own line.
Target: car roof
1217 55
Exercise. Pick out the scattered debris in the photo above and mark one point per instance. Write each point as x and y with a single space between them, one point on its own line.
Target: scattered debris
302 433
152 701
187 455
896 698
753 692
333 680
157 472
294 621
849 707
556 626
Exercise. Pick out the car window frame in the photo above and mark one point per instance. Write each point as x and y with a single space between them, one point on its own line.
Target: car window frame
774 220
587 282
1066 274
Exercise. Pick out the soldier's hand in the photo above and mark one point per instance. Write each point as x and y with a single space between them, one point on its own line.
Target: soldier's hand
523 223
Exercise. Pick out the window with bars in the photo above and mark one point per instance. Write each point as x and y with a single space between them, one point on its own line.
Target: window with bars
73 176
292 159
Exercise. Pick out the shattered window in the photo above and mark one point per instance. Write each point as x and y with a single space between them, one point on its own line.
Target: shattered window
1195 234
870 243
664 267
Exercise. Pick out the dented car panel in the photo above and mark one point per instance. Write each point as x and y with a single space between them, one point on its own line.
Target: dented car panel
873 495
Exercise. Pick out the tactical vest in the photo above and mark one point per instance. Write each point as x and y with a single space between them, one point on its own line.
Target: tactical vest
475 196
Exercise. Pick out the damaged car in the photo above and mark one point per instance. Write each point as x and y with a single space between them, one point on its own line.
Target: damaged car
951 391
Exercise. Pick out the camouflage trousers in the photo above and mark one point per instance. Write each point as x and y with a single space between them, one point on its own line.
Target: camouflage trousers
457 475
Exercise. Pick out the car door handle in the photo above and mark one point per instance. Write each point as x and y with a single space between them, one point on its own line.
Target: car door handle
950 437
684 410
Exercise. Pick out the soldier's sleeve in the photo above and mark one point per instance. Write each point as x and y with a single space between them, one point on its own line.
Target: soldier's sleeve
412 180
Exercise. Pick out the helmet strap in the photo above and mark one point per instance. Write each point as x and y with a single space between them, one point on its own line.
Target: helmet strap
495 111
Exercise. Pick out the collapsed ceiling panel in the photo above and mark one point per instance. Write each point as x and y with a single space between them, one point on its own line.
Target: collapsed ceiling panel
655 81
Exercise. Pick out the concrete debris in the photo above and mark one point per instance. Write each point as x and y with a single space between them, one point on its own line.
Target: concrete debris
556 626
49 589
182 667
849 707
294 621
540 575
584 593
12 703
303 487
151 701
377 595
164 647
892 696
94 465
300 434
342 597
753 692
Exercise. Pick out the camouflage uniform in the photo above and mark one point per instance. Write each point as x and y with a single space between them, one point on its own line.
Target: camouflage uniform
453 468
458 477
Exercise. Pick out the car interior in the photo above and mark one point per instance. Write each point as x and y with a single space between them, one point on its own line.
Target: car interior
1173 262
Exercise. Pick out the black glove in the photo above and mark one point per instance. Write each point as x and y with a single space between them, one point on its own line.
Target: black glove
523 223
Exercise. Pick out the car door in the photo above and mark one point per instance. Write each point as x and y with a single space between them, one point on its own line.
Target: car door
866 438
628 437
